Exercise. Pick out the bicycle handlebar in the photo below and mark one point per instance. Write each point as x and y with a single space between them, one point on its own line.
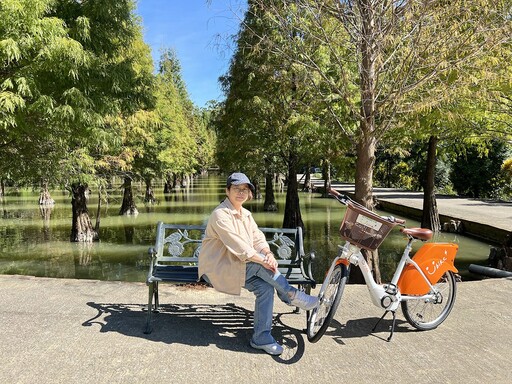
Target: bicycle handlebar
344 199
339 196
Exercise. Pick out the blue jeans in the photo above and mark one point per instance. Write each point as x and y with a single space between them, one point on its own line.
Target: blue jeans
259 280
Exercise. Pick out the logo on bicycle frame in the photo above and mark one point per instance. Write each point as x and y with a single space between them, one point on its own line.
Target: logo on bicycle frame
436 265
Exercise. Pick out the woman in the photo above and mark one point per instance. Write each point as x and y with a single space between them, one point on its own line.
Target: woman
235 254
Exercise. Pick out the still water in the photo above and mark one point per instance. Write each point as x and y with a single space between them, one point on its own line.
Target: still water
31 245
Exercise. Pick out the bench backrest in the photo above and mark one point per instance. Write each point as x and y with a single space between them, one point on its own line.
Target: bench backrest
178 244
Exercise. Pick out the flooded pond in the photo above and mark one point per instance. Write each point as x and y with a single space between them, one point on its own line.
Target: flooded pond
31 245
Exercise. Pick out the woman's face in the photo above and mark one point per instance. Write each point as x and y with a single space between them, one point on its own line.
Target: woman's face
238 194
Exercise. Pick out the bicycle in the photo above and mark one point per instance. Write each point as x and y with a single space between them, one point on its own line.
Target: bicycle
424 285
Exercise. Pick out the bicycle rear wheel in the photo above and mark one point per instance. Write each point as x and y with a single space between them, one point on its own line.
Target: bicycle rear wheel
427 314
330 297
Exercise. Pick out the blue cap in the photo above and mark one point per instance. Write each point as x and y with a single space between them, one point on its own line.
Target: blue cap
238 178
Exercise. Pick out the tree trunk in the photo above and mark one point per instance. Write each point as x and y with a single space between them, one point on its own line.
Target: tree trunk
257 188
98 212
430 217
367 141
46 204
270 204
81 229
364 171
178 180
280 180
184 180
292 215
44 195
149 196
326 174
364 195
168 187
308 187
2 194
128 207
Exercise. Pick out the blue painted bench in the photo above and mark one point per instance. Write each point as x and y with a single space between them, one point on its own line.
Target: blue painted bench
173 259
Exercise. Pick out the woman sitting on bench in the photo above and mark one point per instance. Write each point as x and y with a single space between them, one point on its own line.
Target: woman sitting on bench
235 254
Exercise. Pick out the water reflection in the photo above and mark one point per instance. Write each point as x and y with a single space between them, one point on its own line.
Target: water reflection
35 241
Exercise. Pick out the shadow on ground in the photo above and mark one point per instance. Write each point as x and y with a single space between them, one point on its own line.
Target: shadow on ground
363 328
227 326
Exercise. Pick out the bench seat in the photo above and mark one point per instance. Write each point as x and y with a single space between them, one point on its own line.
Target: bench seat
175 274
174 258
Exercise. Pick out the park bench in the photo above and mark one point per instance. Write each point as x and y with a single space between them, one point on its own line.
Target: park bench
174 258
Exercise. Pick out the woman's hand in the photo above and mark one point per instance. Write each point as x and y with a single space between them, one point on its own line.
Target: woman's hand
269 262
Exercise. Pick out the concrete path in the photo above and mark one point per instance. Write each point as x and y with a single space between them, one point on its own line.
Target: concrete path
83 331
485 219
490 212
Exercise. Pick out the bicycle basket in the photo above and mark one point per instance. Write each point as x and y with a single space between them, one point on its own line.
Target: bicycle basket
364 228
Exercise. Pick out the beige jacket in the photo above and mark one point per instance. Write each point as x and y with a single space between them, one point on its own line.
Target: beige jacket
230 240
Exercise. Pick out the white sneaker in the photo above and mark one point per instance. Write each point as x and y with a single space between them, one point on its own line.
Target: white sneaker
304 301
272 349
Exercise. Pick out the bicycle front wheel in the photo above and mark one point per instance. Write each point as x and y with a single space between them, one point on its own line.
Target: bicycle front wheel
426 314
330 297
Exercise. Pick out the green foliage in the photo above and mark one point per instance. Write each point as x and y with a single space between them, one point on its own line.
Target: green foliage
78 97
270 111
171 139
79 100
396 167
66 66
175 140
506 169
477 173
385 70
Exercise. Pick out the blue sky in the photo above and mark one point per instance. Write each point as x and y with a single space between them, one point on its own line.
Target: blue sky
197 30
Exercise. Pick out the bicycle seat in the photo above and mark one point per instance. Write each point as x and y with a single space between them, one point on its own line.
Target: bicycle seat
418 233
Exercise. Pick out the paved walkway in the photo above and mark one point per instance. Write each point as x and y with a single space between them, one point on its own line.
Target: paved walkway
83 331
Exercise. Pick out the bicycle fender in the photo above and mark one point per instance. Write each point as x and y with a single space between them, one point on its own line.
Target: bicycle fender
345 262
434 259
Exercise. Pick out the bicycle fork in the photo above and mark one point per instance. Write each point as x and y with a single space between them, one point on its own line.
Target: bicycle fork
384 296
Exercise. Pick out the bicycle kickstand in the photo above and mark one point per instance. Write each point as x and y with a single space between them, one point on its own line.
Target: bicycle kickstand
392 325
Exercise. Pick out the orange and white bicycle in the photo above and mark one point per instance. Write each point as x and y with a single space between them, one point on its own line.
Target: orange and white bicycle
424 285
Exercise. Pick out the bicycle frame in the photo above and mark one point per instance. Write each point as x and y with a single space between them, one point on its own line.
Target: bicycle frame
413 278
418 283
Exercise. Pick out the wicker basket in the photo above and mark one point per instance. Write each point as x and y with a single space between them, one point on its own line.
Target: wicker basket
363 228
